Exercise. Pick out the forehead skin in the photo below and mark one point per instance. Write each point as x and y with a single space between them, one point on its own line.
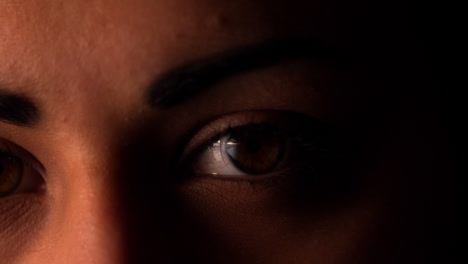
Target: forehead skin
81 50
70 51
151 34
73 57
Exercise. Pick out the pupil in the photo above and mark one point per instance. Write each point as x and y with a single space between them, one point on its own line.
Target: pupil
253 145
255 149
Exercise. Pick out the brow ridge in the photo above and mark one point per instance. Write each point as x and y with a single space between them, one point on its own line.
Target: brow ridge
186 81
17 109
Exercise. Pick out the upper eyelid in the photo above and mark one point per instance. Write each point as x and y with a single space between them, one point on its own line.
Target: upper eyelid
17 151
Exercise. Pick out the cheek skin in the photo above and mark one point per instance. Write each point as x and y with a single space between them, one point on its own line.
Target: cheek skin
22 218
259 227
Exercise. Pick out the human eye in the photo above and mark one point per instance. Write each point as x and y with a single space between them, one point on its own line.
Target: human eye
23 200
261 146
19 171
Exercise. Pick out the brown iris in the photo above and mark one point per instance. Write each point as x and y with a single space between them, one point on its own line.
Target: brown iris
11 171
255 149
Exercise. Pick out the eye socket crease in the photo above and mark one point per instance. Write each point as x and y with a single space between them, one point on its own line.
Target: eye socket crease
17 109
186 81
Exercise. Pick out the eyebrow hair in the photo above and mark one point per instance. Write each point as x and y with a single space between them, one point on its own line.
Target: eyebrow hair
17 109
190 79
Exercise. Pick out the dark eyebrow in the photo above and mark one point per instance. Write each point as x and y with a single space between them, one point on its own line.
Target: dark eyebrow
17 109
189 80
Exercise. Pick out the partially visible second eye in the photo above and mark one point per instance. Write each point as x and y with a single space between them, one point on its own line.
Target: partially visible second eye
247 150
20 172
11 173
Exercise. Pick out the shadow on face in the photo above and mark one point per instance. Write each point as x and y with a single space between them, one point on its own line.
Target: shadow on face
219 132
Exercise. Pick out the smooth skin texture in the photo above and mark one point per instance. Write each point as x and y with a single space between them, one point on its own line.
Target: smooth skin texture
107 155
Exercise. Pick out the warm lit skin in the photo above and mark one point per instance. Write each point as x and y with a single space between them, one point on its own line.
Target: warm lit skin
106 152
